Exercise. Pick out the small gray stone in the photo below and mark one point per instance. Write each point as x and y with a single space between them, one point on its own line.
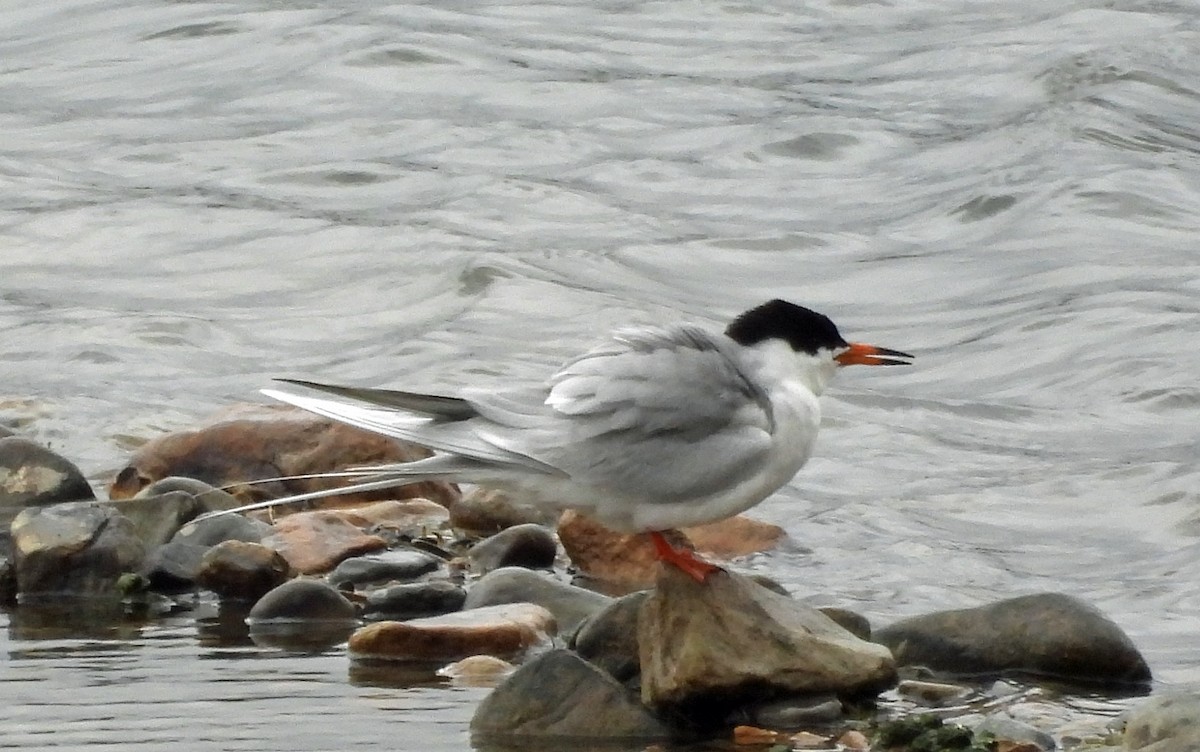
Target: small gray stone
211 499
796 712
559 695
569 604
1048 634
77 547
302 600
1010 729
392 566
33 476
530 545
608 638
414 600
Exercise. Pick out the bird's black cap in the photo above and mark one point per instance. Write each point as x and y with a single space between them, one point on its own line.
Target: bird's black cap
804 329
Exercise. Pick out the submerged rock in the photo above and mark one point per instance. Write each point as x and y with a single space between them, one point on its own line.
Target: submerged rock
77 547
302 600
530 545
502 631
709 647
33 476
271 445
559 695
569 604
1049 634
237 569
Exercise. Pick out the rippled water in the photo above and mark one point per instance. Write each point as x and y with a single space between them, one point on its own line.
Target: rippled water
196 196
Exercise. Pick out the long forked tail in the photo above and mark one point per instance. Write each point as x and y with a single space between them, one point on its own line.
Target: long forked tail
378 478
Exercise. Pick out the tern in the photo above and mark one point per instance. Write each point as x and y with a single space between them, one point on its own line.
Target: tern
654 428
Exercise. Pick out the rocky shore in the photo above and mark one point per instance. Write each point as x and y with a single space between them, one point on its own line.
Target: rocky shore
580 632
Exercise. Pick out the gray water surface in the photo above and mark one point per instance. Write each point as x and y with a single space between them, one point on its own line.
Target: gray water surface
196 197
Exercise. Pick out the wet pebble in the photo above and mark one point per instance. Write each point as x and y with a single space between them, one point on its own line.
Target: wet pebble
569 604
531 546
392 566
241 570
302 600
503 631
414 600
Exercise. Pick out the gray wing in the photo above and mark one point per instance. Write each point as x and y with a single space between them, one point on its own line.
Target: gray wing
663 414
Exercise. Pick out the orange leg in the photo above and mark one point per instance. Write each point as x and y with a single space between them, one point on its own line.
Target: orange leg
695 567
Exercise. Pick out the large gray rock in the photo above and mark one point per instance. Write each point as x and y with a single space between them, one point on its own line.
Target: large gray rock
1167 723
559 695
77 547
709 647
33 476
1048 633
569 604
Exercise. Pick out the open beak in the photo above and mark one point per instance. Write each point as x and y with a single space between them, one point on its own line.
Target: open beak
858 354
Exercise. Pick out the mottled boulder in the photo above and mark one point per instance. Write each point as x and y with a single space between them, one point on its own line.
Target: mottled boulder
1166 723
33 476
315 542
174 564
502 631
708 647
530 545
273 445
485 511
569 604
630 560
1048 634
302 600
390 566
608 639
241 570
77 547
414 600
558 695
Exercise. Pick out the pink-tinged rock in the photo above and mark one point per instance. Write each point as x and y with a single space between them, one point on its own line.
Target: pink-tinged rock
271 444
315 542
502 631
630 561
